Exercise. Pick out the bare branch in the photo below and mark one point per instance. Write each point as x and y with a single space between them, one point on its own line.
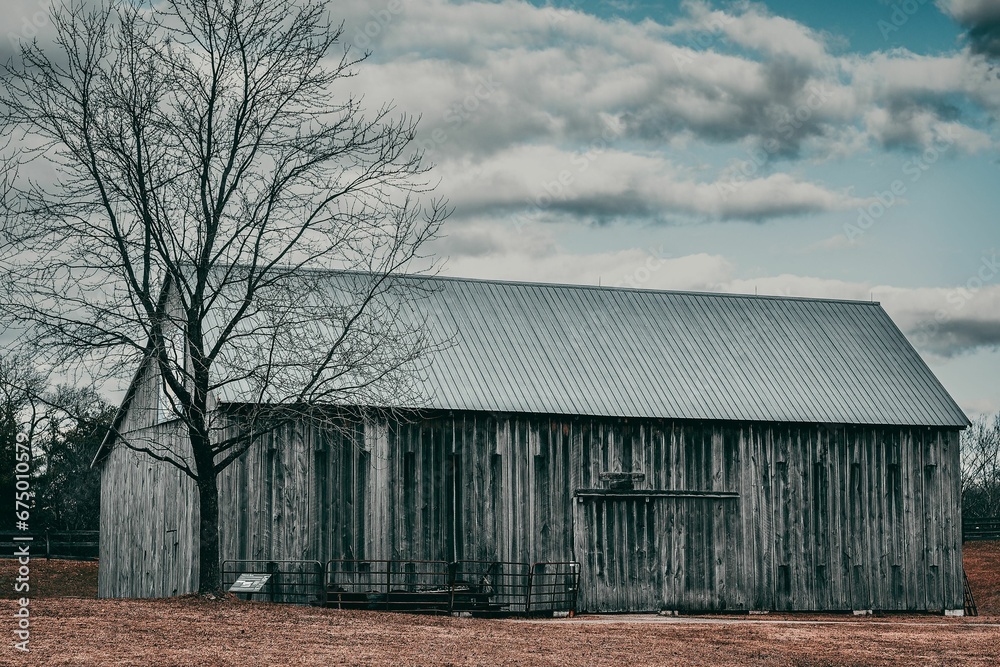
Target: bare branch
202 200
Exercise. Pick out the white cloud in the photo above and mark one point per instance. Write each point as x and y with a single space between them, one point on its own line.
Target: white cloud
971 10
981 18
480 249
754 28
940 321
606 184
559 77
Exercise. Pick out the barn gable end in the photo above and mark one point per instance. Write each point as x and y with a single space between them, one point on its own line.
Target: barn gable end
149 509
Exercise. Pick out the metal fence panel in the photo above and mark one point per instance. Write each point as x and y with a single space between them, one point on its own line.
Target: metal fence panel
554 587
472 586
491 587
59 544
415 585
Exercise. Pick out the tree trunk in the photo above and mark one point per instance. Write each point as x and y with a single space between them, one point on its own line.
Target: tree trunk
209 573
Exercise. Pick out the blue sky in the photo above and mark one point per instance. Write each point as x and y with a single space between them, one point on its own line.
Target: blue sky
861 25
845 150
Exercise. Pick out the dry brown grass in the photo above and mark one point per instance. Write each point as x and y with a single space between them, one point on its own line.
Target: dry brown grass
982 565
194 631
52 578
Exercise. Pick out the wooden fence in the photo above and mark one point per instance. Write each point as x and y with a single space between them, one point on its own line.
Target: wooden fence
981 529
63 544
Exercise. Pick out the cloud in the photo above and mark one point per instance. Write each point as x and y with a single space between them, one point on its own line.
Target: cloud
940 321
490 76
603 185
486 76
755 28
909 126
981 18
959 334
534 253
908 101
510 94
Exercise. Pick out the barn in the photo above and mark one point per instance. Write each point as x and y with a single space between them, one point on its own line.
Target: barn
691 451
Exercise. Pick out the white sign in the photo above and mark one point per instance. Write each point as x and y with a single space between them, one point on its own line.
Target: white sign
249 583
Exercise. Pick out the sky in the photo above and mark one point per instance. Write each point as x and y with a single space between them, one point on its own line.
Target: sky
842 150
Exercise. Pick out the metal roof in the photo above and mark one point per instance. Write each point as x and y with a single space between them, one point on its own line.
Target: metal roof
527 347
604 351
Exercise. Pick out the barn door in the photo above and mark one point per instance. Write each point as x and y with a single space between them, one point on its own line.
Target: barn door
700 550
652 553
618 549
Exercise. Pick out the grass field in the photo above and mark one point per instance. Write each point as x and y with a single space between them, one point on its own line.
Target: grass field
192 631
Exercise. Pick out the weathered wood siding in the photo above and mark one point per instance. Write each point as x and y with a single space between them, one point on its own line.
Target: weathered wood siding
149 509
726 516
437 490
822 519
269 504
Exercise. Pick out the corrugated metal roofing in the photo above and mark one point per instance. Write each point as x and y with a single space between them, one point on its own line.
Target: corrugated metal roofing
567 349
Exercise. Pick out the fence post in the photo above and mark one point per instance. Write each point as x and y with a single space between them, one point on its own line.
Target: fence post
452 575
322 584
47 549
527 598
575 569
272 569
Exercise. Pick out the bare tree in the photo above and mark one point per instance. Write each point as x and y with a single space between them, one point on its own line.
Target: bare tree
66 487
981 468
22 412
186 168
62 428
21 393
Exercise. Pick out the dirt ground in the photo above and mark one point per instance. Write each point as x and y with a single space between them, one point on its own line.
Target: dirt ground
982 566
52 578
194 631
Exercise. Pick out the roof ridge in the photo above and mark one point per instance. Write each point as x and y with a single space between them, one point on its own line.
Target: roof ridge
725 295
609 288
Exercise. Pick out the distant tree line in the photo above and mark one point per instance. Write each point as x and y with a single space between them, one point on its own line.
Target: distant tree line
64 427
981 469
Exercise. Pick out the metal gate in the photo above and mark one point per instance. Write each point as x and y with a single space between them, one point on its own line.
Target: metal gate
484 588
